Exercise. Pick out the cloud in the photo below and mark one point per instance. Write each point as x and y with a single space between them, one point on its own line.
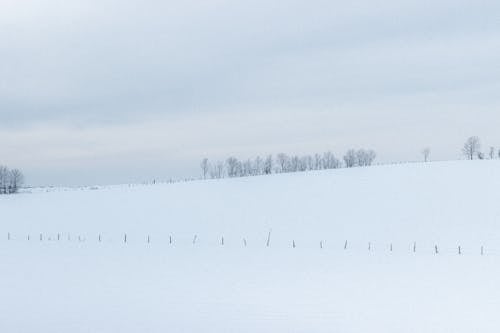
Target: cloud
82 78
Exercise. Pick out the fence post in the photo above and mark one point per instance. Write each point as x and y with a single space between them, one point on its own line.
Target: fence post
345 245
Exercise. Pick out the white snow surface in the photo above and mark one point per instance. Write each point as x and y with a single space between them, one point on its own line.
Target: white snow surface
78 284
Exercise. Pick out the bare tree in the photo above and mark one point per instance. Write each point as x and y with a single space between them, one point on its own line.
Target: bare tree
308 162
350 158
258 166
204 167
213 172
217 170
365 157
268 165
294 164
370 157
283 162
233 167
329 161
16 180
318 162
4 179
360 157
303 164
472 147
247 168
220 169
427 153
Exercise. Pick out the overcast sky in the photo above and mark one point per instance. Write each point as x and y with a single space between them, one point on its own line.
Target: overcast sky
112 91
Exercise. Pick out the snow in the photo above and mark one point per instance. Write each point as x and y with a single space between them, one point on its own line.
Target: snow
112 286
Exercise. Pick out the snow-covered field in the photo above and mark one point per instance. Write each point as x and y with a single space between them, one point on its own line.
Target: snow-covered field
83 285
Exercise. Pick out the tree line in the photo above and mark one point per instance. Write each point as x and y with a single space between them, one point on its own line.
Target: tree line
10 180
472 150
283 163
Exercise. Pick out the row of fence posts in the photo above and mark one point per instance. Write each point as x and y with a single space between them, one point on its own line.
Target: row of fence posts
222 242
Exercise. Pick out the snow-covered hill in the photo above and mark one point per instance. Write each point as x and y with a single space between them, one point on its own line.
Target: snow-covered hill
447 202
83 285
